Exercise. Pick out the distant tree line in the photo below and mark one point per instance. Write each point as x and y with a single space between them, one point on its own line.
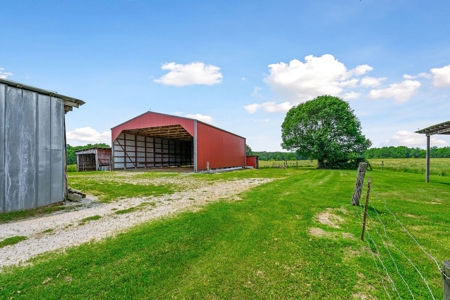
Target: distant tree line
405 152
384 152
278 155
70 150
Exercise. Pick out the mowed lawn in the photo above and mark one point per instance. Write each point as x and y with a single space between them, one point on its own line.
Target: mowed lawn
297 237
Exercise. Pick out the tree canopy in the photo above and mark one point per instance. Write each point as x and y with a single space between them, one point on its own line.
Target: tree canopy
325 129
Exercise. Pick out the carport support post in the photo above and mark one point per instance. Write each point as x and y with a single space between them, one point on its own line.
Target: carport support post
195 146
427 179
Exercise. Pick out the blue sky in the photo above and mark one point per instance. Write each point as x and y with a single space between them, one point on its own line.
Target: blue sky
237 64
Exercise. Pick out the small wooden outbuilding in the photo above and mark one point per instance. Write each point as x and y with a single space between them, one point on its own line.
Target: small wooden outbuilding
94 159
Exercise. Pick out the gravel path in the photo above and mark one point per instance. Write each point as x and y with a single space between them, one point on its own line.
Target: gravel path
67 229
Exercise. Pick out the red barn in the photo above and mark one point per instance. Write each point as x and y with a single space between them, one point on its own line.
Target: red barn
155 140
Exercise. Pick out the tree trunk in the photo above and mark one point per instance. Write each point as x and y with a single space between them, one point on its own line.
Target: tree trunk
320 164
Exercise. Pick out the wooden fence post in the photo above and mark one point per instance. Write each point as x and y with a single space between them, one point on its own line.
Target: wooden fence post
365 208
359 183
446 278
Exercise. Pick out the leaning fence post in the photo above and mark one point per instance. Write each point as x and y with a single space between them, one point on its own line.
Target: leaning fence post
446 278
365 209
359 183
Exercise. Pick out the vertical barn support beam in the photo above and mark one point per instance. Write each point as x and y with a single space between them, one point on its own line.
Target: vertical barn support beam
359 183
427 175
446 279
195 146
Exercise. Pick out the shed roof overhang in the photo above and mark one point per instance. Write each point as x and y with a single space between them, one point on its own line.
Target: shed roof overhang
69 102
441 128
174 132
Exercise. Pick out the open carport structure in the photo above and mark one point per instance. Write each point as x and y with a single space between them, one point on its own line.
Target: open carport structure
441 128
156 140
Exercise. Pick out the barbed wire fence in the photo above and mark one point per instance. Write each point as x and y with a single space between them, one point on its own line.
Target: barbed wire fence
402 272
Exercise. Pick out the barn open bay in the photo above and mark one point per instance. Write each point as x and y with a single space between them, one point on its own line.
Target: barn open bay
304 243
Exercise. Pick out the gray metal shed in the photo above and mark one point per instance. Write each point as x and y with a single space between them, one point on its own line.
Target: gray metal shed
32 146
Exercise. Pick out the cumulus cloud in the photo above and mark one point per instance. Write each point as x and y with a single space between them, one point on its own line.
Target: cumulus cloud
5 75
269 107
200 117
401 92
351 95
371 81
412 139
190 74
441 76
88 135
301 81
420 75
252 108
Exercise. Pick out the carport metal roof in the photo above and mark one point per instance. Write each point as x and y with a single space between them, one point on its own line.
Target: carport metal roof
441 128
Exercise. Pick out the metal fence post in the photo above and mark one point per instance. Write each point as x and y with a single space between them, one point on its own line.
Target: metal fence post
446 278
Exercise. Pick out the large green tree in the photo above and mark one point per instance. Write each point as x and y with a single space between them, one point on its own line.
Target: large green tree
325 129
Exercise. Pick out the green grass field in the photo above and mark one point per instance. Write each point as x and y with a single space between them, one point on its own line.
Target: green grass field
296 237
438 166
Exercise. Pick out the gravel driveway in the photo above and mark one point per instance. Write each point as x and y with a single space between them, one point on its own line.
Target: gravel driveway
61 230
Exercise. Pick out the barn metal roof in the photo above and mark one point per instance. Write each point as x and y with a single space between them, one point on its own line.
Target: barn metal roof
441 128
180 117
69 102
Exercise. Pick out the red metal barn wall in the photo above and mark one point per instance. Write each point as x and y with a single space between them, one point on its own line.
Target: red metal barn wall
220 148
150 119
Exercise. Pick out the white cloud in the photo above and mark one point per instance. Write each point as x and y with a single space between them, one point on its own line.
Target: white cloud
4 75
88 135
401 92
189 74
200 117
351 95
244 79
372 81
299 82
420 75
360 70
411 139
269 107
252 108
277 107
441 76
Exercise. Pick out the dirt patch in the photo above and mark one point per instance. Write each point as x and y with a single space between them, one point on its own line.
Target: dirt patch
59 231
330 219
319 232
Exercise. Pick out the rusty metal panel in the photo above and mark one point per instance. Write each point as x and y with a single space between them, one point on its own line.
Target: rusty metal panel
218 147
44 153
151 119
20 149
2 146
57 149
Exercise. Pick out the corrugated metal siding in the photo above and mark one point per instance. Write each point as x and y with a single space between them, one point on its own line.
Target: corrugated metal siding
32 149
252 161
150 119
221 149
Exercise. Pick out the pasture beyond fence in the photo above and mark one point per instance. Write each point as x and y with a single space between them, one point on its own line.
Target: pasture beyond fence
439 166
378 222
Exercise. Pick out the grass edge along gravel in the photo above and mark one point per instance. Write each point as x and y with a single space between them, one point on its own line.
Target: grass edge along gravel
258 248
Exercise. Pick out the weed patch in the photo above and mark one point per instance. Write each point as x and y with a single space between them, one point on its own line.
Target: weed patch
12 241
